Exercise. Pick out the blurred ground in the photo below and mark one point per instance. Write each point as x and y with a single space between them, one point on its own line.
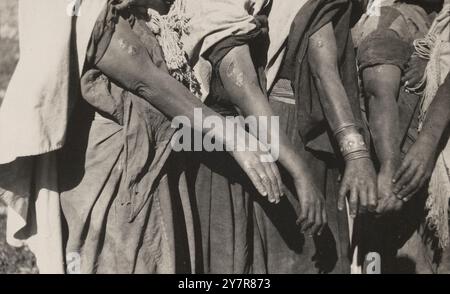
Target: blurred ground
12 260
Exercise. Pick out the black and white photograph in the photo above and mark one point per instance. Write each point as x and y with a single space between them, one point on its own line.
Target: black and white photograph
249 138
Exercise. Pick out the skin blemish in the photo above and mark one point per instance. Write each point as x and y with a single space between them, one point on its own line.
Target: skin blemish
239 79
123 44
132 50
318 43
236 75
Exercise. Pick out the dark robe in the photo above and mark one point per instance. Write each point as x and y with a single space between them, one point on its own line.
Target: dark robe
124 195
391 42
242 232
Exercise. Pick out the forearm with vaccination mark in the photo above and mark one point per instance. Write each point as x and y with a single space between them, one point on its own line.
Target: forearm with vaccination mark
240 80
127 62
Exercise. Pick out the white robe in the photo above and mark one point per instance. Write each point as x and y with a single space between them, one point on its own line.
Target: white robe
33 121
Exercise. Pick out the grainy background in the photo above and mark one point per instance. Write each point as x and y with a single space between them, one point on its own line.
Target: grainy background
12 260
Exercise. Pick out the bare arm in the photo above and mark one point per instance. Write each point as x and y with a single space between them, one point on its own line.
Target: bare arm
359 177
418 165
239 78
127 62
381 84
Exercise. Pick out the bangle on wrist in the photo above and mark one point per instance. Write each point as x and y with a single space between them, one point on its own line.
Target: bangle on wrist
343 128
352 147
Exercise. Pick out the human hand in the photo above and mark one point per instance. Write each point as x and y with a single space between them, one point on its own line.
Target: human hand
360 182
264 174
415 170
387 200
414 71
313 215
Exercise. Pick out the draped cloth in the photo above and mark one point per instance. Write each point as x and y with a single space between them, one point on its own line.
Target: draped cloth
33 121
214 21
241 232
124 192
296 100
120 195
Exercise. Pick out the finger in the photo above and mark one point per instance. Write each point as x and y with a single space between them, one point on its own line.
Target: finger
405 165
264 179
279 180
411 186
372 197
409 74
363 201
382 206
343 192
422 182
256 180
415 79
311 220
405 75
395 205
318 218
408 197
303 214
405 178
277 184
398 205
388 205
353 202
268 186
271 182
324 220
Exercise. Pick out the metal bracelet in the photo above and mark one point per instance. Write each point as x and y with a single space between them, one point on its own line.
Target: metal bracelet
343 127
352 146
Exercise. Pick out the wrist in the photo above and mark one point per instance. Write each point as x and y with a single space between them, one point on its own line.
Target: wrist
427 139
294 164
389 164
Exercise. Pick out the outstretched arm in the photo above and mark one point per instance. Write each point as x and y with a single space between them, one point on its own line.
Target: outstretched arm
128 63
418 165
239 77
381 84
359 177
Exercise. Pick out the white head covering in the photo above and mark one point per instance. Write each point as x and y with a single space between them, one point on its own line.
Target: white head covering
34 113
214 20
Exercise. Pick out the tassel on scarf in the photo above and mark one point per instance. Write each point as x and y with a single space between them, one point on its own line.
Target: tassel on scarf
437 202
169 30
